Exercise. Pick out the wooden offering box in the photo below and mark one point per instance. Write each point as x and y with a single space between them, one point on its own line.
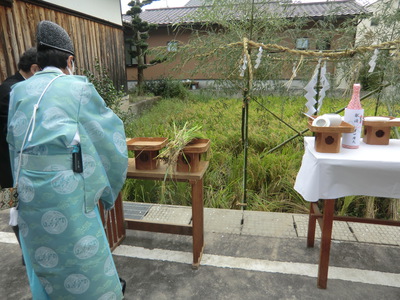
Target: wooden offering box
328 139
189 159
146 151
377 132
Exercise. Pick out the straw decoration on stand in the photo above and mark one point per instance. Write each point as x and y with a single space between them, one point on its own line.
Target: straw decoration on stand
174 147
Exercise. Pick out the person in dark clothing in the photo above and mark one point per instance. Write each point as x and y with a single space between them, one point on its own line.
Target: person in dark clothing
27 66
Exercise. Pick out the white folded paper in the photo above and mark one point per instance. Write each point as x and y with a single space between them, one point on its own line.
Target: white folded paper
13 216
327 120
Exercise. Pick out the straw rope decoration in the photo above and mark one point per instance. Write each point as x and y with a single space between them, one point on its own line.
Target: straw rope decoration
294 72
249 64
318 54
326 55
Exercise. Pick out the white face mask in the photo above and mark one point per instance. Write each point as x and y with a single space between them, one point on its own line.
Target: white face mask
71 72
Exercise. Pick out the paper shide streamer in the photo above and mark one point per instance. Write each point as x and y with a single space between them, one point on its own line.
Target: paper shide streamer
372 62
311 89
258 59
244 66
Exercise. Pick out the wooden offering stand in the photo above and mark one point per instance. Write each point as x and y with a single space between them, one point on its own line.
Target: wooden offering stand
189 159
378 132
146 151
328 139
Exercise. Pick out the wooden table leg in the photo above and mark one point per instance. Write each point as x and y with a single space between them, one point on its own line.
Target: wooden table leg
197 221
329 205
311 227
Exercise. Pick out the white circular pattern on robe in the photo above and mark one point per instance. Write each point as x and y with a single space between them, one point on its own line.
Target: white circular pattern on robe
98 195
37 150
26 191
54 222
36 85
46 257
18 123
108 296
76 284
53 118
64 182
81 91
23 227
90 214
109 269
94 130
47 285
86 247
105 162
105 112
89 165
120 142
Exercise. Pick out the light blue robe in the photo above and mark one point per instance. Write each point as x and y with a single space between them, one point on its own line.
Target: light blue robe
62 238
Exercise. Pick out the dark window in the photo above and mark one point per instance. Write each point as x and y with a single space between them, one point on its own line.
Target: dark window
302 43
172 46
129 59
374 21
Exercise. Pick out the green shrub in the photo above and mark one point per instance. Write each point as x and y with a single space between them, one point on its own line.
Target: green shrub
105 86
166 88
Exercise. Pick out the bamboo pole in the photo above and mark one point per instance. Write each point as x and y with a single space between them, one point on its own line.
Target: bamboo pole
245 115
245 110
317 96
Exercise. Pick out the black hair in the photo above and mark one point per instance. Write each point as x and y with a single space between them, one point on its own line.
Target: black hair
49 57
27 60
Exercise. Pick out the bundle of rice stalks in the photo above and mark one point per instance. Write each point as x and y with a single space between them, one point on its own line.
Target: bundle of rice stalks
176 144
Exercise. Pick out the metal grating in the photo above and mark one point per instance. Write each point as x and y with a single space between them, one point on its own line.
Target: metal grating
136 211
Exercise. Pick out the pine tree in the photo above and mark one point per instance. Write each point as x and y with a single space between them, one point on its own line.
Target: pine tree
139 38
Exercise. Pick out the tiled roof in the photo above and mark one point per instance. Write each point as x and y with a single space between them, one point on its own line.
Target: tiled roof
194 3
165 16
168 16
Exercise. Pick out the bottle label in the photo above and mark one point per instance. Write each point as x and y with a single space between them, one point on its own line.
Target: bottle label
353 117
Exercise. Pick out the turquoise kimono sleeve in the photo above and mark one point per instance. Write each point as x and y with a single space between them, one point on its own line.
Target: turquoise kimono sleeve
104 148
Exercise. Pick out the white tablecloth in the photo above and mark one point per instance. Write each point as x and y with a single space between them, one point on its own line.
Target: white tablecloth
370 170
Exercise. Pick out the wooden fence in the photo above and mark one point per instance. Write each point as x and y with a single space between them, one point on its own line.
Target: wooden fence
114 223
93 39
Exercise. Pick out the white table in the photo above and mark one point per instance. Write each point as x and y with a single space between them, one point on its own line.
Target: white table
371 170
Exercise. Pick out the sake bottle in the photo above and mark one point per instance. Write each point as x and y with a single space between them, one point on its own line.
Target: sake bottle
353 114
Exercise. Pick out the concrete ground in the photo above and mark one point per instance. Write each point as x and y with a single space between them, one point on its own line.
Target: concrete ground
263 257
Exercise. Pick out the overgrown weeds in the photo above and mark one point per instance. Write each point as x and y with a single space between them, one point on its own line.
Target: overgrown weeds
271 176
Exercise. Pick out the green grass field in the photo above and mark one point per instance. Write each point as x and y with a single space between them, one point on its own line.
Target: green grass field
271 175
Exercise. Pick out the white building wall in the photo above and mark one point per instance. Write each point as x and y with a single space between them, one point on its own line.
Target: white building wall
371 31
108 10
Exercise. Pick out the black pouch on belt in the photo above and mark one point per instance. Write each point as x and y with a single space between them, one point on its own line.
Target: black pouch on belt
77 165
